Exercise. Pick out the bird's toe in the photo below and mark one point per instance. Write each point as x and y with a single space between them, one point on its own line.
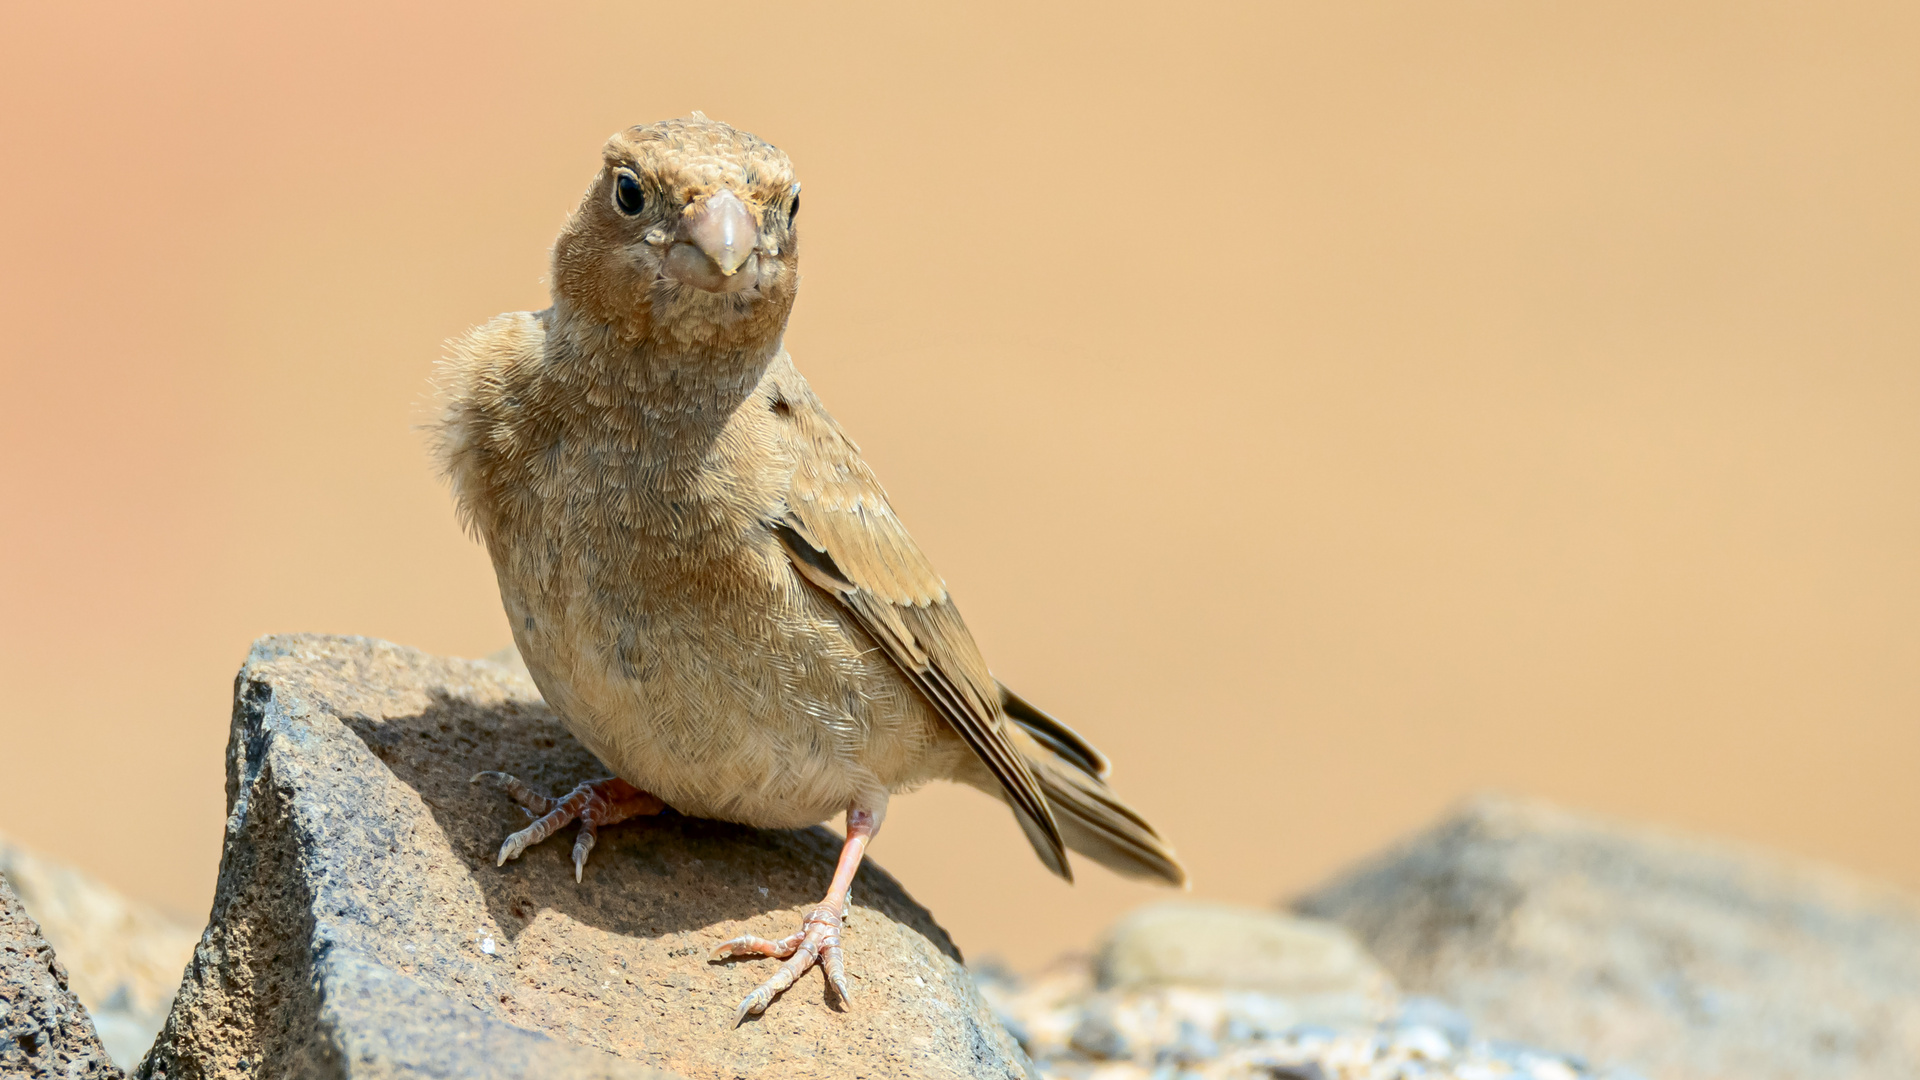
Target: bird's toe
817 943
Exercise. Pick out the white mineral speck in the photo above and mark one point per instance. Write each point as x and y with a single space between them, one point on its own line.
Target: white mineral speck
486 946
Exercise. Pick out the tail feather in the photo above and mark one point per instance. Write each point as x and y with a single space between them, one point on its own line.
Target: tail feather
1054 735
1094 822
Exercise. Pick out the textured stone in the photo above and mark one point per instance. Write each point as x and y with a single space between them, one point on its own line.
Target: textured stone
123 958
44 1030
1673 956
361 928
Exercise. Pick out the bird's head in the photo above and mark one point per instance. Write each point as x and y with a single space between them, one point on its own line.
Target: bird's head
685 238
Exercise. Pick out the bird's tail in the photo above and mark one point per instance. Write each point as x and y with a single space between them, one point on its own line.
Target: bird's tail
1094 822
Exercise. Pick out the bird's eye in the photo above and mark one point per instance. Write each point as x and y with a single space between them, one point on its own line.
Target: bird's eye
627 196
793 208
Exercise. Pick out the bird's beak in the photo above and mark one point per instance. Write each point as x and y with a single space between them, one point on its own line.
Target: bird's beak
721 226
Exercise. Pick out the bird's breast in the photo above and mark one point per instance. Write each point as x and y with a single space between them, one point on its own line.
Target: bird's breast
665 623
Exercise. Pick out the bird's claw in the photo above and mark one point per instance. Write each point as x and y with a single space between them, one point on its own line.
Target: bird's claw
818 942
592 804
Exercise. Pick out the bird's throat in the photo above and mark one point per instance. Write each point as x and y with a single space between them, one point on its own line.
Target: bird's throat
663 385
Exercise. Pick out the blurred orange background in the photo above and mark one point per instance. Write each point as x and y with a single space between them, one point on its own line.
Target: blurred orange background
1329 409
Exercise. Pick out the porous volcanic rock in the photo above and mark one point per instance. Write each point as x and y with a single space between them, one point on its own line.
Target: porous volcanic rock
1675 956
44 1030
361 928
123 958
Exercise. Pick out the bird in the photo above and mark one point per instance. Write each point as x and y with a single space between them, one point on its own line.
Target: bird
703 575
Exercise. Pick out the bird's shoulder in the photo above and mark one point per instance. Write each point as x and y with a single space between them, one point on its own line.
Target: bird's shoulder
837 504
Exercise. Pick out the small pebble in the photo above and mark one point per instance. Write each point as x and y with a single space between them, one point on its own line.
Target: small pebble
1097 1037
1191 1047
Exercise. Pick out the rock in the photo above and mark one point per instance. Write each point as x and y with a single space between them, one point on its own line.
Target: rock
1097 1037
44 1030
360 927
1191 1046
1672 956
1325 975
1161 1031
123 958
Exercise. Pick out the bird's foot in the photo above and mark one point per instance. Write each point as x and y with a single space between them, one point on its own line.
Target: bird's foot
592 804
817 942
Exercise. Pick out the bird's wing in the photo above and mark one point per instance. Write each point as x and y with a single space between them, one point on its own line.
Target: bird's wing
843 537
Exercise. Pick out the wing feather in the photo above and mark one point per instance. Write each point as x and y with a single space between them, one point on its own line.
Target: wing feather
842 536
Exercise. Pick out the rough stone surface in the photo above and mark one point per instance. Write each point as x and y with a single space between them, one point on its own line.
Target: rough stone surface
123 958
361 928
1677 957
44 1030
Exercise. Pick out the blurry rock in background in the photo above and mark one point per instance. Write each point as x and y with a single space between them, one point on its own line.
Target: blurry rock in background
123 959
1527 943
1678 956
1316 966
1195 991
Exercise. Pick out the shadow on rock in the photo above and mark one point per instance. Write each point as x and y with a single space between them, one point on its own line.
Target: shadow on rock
632 885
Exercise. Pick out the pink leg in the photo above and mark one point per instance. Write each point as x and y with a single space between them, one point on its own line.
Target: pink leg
818 940
592 804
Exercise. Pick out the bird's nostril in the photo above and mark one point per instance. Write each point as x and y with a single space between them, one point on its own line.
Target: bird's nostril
689 265
723 227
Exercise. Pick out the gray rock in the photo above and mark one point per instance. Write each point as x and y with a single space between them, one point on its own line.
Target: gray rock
1672 956
1191 1046
361 928
123 958
44 1030
1097 1037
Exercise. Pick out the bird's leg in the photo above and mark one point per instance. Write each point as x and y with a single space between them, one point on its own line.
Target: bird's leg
818 940
592 804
